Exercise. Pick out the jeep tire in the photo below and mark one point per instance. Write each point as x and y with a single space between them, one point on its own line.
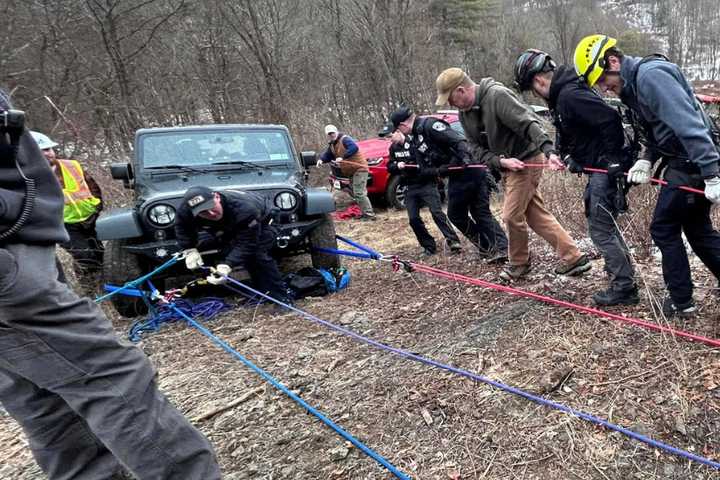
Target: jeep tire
119 267
323 236
395 193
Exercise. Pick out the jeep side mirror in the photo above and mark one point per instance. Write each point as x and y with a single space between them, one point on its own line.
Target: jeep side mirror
309 159
122 171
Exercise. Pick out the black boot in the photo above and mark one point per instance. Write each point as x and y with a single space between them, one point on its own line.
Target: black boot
682 310
610 297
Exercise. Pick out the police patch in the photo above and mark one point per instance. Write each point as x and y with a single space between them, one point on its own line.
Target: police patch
406 146
439 126
196 200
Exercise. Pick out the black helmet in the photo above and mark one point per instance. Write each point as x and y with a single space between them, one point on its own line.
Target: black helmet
530 63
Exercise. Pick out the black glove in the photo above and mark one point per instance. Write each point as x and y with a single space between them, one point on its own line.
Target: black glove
572 165
615 170
443 171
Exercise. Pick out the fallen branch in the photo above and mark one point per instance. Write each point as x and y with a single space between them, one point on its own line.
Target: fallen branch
229 406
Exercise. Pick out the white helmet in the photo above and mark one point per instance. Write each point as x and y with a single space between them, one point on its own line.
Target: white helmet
43 141
330 129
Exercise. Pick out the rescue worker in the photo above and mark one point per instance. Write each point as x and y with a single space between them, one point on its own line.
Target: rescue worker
345 153
505 134
88 404
239 225
83 204
589 134
441 151
676 130
421 190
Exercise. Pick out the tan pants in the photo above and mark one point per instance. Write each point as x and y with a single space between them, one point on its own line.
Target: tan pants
525 207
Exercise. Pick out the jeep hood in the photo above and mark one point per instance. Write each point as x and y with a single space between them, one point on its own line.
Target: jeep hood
152 184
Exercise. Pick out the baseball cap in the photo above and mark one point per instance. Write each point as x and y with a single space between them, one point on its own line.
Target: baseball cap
198 199
446 82
400 115
330 129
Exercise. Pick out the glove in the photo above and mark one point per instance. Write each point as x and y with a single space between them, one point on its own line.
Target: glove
319 163
640 172
572 165
712 189
615 170
193 259
218 276
443 171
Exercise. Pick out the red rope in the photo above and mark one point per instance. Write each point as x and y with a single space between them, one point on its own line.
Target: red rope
653 180
592 311
586 169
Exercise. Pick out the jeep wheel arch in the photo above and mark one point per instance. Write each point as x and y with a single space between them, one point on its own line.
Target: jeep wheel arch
323 236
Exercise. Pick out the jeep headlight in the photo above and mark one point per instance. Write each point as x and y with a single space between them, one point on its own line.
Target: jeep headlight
162 214
285 201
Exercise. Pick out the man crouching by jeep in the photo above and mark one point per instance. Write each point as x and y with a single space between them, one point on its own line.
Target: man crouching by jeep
236 223
88 403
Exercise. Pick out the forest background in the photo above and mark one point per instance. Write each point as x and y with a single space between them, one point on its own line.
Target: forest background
91 72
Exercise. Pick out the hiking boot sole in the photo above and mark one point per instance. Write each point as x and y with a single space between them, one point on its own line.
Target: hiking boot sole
575 271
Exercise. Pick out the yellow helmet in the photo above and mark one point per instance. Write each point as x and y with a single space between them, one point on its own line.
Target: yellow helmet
589 57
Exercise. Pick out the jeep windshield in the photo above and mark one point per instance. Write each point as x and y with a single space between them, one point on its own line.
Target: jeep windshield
202 150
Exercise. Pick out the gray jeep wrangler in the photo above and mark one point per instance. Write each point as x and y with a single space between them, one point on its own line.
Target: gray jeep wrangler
168 161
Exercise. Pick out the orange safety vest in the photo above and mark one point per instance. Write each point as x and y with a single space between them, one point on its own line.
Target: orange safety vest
80 203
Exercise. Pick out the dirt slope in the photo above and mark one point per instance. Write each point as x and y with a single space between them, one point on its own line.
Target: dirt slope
430 423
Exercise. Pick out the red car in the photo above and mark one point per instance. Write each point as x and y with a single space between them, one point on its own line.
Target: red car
381 184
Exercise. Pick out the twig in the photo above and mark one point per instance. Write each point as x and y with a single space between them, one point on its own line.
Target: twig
613 382
229 406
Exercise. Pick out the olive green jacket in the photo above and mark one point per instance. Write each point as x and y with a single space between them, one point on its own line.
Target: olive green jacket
500 125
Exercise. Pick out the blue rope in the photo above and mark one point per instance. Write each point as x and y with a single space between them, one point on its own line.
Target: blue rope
366 249
206 309
134 283
372 454
501 386
345 252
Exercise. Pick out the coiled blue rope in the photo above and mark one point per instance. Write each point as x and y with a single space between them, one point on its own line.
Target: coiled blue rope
479 378
269 378
205 309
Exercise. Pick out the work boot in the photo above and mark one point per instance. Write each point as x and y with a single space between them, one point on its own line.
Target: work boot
497 257
428 252
611 297
455 247
515 272
581 265
682 310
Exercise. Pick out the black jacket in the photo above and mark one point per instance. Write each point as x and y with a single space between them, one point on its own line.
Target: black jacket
245 215
589 130
45 224
435 144
413 176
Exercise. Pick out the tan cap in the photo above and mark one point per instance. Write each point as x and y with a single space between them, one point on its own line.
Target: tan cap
446 82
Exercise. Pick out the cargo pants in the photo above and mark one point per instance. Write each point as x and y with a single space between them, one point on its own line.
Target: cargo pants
88 402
